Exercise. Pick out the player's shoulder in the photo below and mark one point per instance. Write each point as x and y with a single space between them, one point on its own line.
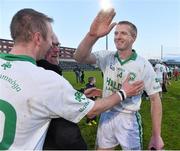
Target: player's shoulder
41 75
144 63
142 60
104 53
47 73
49 80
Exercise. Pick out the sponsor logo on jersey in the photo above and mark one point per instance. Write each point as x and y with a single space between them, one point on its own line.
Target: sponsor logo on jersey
14 84
111 67
112 85
84 107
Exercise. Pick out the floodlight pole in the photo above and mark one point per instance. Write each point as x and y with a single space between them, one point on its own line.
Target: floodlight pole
161 52
106 42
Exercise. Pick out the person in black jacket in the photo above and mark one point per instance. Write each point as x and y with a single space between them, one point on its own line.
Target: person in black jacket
91 84
61 134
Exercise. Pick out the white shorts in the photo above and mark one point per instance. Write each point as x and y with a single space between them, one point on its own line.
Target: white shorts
120 128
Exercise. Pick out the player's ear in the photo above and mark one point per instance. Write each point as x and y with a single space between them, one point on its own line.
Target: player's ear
134 37
37 38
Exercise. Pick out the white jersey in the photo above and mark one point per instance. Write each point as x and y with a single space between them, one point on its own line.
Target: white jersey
29 97
160 69
115 72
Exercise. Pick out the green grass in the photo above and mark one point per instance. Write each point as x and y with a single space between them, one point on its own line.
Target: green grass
70 76
170 121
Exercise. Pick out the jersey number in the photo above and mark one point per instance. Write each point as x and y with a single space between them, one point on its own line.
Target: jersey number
9 125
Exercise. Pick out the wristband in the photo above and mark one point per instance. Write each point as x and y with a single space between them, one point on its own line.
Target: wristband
123 93
120 95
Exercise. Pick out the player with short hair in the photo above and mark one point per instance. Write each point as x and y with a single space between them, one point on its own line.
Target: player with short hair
122 124
31 96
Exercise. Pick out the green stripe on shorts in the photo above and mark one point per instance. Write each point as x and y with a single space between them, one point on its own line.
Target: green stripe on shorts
139 121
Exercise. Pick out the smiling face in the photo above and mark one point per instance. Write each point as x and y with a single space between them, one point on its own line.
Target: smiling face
53 54
124 37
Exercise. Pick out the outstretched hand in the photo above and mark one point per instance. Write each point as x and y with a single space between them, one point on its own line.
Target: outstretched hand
101 25
93 92
132 89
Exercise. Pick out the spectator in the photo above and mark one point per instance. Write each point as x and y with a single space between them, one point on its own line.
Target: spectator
160 70
176 73
82 76
91 84
77 74
60 129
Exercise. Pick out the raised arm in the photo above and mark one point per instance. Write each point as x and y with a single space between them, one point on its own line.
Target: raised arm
100 27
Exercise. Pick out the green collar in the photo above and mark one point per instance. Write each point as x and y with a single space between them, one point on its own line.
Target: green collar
132 57
12 57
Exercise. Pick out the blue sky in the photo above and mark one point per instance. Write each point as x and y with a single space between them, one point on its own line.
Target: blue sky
158 22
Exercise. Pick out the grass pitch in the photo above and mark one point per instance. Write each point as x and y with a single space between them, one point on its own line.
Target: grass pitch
170 121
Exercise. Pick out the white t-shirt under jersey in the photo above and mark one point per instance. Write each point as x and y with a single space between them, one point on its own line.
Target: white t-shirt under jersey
29 97
115 72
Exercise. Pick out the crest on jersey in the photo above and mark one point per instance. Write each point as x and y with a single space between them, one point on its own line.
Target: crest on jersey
6 65
132 76
79 96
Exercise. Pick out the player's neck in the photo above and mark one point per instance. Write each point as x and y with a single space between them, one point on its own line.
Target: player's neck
23 49
125 54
